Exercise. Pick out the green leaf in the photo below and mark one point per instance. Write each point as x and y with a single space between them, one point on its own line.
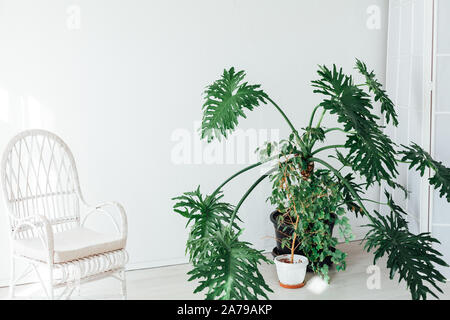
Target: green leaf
316 134
349 201
226 100
392 205
370 151
231 271
411 256
222 263
387 106
421 159
207 214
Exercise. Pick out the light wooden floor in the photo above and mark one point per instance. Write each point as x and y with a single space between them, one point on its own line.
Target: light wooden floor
171 283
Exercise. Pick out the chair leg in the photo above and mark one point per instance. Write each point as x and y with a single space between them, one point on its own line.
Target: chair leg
69 293
124 284
51 294
12 282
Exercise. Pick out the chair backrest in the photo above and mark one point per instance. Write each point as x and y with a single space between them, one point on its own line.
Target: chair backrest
39 177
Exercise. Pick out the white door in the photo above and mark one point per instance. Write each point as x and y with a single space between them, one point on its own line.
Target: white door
408 63
418 81
440 149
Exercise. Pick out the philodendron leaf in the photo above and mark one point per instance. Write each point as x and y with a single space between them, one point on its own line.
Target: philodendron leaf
231 271
349 200
315 133
410 255
370 151
421 160
227 267
207 214
387 106
226 101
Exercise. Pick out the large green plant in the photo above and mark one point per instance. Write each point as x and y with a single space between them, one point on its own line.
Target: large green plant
228 268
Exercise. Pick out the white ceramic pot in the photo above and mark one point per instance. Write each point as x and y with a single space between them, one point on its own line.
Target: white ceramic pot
291 275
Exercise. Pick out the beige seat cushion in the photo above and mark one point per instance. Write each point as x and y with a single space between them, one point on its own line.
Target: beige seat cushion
70 245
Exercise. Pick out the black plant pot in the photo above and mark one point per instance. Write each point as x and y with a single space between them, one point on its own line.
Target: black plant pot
281 233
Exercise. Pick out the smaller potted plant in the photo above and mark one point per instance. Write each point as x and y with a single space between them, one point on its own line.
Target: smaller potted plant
307 203
291 270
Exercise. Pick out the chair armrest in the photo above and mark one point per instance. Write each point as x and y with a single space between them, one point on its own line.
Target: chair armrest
42 228
100 209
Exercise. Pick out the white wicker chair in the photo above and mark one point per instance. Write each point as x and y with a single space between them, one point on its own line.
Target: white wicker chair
44 200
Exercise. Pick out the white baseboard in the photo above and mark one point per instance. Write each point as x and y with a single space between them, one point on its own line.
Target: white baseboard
156 264
4 283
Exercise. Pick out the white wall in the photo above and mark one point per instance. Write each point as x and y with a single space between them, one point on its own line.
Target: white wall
123 87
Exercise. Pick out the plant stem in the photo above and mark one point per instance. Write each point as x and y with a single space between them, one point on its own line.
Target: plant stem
285 187
235 175
233 215
338 129
312 115
313 141
377 202
295 237
242 171
333 146
284 116
321 118
299 140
